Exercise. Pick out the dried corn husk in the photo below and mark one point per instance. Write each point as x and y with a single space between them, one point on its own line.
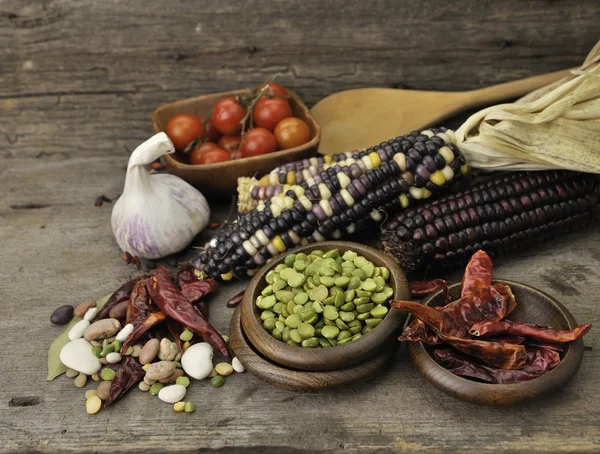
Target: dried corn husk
555 127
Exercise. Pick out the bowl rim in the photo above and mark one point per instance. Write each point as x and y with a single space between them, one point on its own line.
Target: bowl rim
171 160
506 394
321 359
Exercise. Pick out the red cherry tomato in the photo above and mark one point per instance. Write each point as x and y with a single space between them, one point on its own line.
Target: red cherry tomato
256 142
274 89
227 115
212 133
270 111
230 143
291 132
183 129
213 156
196 153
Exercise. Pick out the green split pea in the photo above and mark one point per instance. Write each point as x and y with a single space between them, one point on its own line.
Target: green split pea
323 299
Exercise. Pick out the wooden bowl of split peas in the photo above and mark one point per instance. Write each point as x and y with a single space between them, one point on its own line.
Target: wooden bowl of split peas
324 306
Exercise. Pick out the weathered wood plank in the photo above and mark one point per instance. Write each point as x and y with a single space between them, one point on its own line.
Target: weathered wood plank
78 82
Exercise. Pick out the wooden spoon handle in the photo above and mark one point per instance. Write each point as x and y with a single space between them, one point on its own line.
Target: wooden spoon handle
509 90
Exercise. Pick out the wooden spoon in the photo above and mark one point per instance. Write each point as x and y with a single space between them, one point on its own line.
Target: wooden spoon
360 118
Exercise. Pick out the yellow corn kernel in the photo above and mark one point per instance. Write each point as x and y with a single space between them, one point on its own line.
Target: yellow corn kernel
426 193
264 181
278 243
448 173
324 203
375 159
327 158
400 159
179 406
464 169
403 201
347 197
291 177
437 178
186 345
324 191
273 179
146 366
343 179
227 276
417 193
447 154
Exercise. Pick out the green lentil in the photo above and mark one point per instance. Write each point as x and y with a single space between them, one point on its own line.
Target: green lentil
318 307
285 334
305 331
107 374
310 343
183 381
324 342
385 273
327 281
347 316
263 316
330 332
189 407
363 306
289 260
280 325
354 282
344 341
279 284
269 324
379 311
296 280
350 295
379 297
360 274
330 312
362 317
293 321
372 322
268 302
319 293
340 299
298 309
348 307
340 324
97 351
155 388
216 382
295 336
368 269
277 334
187 335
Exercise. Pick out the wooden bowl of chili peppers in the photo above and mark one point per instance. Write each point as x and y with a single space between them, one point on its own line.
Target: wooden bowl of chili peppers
470 351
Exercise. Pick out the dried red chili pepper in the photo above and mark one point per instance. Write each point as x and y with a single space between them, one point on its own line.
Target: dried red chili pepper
153 319
489 303
548 345
194 289
478 273
175 329
424 288
121 294
172 302
490 328
464 366
140 305
504 356
130 373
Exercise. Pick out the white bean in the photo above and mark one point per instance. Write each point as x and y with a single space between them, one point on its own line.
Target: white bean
125 332
76 332
237 365
113 357
90 314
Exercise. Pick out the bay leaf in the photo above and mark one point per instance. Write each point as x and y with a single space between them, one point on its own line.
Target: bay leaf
55 367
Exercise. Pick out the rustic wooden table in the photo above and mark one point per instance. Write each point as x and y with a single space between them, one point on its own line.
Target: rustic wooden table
78 83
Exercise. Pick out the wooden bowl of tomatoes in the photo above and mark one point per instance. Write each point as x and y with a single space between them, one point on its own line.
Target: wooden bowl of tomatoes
223 136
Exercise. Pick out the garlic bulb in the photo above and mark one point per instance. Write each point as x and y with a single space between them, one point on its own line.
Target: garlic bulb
158 214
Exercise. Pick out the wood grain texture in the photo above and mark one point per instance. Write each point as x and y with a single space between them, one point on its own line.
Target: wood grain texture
301 380
533 306
319 359
79 81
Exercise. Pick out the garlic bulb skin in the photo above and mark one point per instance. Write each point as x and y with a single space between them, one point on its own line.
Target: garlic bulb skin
157 215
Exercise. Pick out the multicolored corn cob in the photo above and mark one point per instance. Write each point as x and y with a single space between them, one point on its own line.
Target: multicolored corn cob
349 193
